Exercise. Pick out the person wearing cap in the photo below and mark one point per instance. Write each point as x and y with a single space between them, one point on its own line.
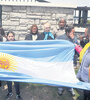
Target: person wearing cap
46 35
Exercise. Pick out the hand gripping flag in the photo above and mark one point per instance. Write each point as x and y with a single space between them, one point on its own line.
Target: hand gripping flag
45 62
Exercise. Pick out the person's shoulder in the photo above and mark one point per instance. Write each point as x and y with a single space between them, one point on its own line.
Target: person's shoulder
4 39
40 36
61 36
28 37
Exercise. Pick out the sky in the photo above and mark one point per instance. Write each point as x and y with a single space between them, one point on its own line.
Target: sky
73 2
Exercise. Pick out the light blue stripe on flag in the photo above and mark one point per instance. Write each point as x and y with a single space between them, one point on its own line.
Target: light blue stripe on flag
45 62
39 49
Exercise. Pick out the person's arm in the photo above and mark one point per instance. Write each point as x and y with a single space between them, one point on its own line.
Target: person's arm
78 48
73 38
84 71
86 32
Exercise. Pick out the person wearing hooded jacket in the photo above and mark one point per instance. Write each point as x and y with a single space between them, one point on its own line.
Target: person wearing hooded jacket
33 35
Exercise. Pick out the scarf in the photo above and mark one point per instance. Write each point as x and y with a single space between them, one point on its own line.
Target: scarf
47 34
34 37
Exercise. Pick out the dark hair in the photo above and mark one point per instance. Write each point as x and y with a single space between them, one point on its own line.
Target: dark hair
61 20
34 25
68 29
10 32
1 38
2 31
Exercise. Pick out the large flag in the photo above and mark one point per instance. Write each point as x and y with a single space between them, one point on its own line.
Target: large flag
45 62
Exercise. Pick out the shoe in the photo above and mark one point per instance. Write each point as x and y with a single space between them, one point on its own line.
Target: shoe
60 92
18 97
72 93
8 96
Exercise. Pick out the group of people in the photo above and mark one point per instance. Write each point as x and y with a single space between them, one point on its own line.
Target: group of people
64 32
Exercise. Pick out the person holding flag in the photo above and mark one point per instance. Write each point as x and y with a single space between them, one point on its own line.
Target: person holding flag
84 71
69 35
2 39
11 37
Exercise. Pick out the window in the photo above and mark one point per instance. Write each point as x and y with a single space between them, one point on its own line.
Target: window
88 17
82 16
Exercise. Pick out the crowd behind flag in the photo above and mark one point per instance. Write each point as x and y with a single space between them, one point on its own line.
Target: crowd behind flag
45 62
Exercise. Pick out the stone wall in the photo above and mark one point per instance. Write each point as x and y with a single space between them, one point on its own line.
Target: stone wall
0 15
20 18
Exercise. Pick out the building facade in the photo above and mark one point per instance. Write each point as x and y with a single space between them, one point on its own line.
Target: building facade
19 17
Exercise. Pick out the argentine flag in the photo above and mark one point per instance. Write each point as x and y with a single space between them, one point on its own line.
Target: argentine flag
46 62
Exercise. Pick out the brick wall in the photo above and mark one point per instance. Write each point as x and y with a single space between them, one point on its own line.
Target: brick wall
20 18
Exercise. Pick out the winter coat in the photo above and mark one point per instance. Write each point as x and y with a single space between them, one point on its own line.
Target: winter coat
42 37
30 36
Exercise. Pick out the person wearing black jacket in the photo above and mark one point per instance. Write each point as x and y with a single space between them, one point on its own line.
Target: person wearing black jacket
11 37
33 35
46 35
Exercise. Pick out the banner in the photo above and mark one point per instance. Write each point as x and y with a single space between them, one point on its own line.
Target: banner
46 62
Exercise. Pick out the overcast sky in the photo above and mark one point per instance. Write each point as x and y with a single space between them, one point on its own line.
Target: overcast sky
73 2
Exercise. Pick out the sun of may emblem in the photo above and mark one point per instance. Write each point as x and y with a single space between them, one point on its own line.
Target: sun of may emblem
7 62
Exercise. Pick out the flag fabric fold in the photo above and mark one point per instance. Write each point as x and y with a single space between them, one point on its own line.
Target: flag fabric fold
45 62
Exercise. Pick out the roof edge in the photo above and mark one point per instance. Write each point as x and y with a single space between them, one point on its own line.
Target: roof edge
14 3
